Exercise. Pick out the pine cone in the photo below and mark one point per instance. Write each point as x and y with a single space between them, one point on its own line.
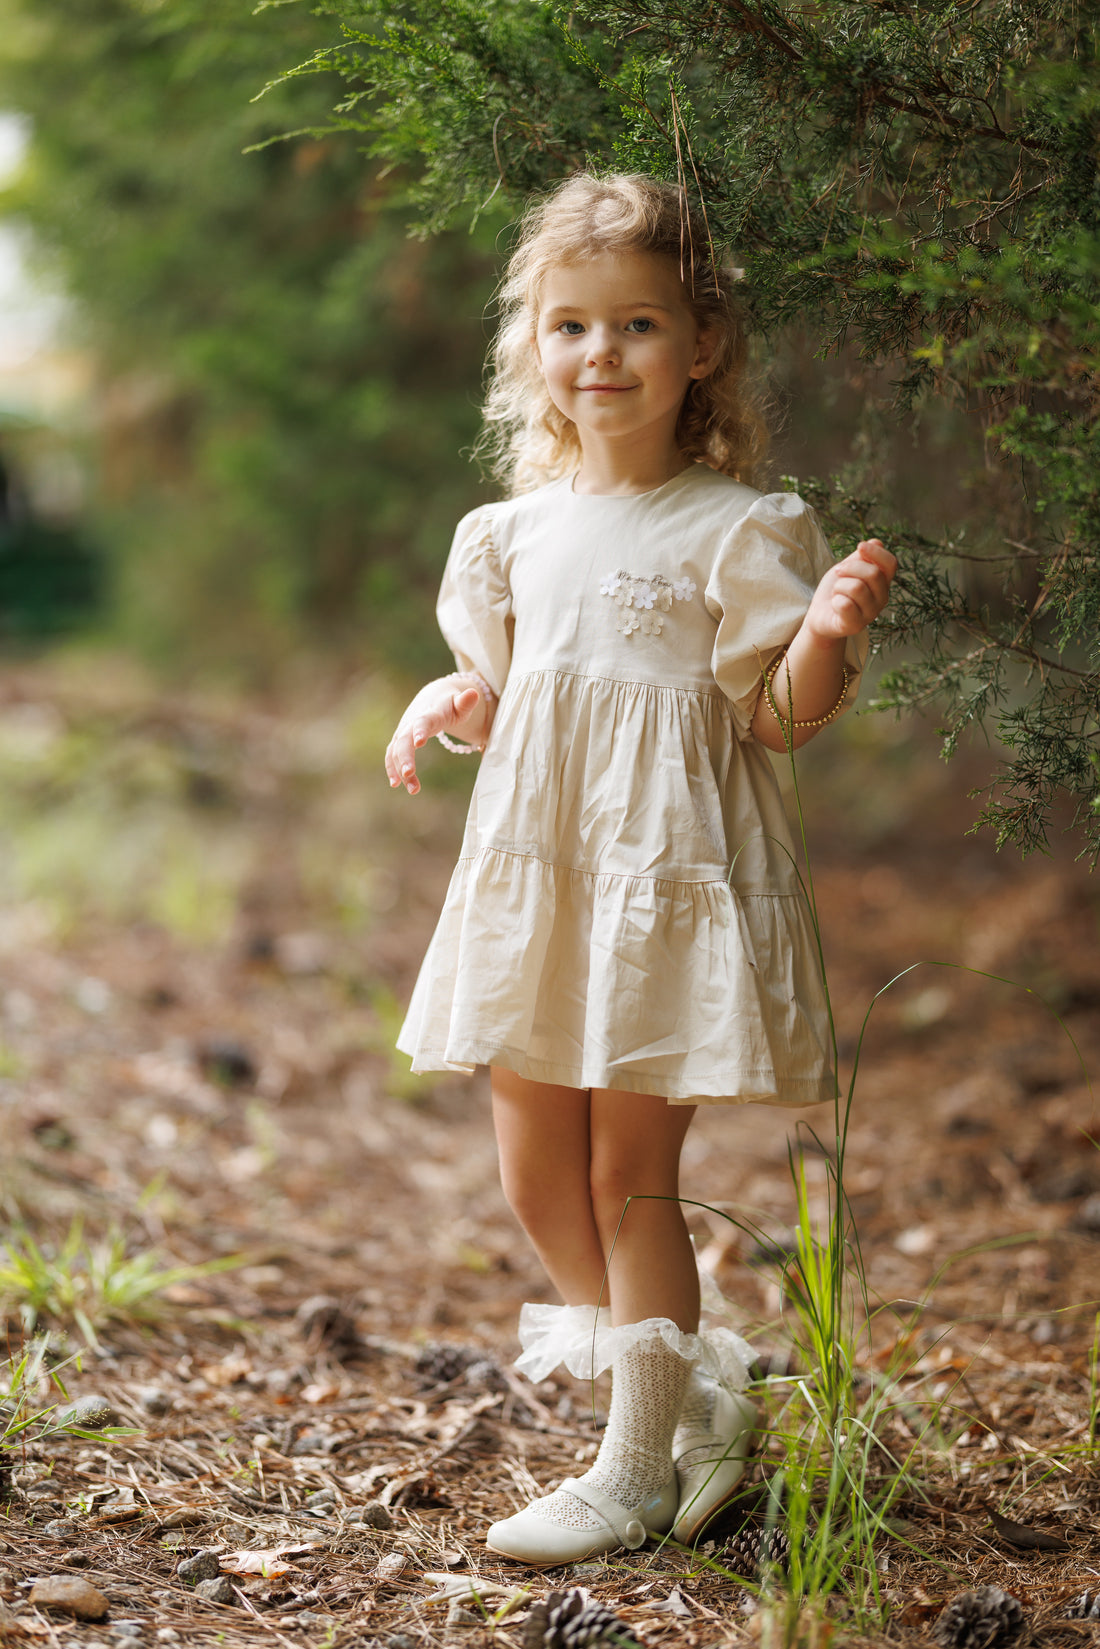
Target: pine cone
981 1619
571 1620
1085 1607
750 1549
440 1363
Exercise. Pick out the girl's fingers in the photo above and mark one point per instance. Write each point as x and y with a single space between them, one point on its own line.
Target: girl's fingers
874 550
447 712
865 577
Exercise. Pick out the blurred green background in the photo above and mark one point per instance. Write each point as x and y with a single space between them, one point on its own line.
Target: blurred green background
267 384
241 441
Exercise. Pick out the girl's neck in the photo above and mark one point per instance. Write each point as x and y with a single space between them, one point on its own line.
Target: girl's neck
610 474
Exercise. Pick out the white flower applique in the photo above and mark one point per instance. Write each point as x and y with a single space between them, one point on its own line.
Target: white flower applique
644 601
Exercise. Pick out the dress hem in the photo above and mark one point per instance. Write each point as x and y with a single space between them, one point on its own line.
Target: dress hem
782 1091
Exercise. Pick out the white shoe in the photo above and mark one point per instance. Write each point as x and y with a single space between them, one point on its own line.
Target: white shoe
710 1464
532 1538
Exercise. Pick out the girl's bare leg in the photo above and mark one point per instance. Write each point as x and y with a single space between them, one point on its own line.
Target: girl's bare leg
569 1162
544 1143
636 1141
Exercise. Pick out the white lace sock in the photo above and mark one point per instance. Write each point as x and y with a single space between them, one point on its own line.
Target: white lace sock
696 1412
634 1461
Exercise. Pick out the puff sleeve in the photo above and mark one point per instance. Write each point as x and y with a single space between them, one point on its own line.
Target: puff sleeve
475 604
763 580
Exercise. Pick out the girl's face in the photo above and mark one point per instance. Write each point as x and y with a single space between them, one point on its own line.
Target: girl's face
618 346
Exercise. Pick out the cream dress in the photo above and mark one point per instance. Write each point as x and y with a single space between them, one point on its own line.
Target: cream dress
625 913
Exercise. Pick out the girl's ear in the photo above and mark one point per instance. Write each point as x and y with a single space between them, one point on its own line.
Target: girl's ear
706 352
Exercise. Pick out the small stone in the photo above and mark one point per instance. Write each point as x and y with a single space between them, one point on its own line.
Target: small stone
40 1493
202 1565
217 1591
93 995
154 1399
167 1634
459 1615
302 954
1087 1217
371 1516
589 1571
314 1440
90 1413
71 1594
310 1617
62 1528
224 1060
400 1640
322 1501
129 1628
184 1517
391 1566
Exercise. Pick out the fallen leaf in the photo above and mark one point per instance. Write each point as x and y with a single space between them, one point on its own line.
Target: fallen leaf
269 1562
320 1393
391 1566
673 1604
231 1371
919 1610
13 1625
1019 1534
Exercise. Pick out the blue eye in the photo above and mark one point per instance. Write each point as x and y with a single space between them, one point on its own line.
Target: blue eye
640 323
572 329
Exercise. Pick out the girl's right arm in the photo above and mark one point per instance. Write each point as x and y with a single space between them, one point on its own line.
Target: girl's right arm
455 705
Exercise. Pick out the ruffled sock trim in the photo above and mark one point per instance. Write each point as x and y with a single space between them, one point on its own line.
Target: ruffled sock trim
582 1339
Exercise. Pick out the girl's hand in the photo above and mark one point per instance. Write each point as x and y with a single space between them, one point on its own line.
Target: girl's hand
853 592
443 706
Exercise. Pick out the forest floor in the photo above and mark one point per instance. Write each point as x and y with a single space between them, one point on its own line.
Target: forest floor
210 911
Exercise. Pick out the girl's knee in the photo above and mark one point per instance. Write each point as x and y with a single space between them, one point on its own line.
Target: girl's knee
621 1189
539 1202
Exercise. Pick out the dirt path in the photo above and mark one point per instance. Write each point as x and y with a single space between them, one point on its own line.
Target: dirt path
210 913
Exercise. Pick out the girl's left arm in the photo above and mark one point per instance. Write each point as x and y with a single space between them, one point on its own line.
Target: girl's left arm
809 684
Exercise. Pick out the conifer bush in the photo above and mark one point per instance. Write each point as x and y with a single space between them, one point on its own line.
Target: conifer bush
912 183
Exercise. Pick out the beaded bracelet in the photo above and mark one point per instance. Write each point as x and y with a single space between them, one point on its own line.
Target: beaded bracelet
490 698
819 721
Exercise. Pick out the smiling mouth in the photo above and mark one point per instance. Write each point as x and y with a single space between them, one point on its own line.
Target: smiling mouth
604 389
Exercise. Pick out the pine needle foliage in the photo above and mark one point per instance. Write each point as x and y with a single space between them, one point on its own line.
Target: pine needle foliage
912 184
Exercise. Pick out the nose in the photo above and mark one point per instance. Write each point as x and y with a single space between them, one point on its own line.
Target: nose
603 346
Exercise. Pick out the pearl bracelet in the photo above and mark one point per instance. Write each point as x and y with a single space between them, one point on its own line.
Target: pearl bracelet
490 698
819 721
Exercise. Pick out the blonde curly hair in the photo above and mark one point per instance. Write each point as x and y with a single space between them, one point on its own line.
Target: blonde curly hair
526 441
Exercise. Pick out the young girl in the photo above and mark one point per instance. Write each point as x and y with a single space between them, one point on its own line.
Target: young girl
615 622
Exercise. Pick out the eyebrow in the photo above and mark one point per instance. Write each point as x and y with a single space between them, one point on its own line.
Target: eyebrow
578 309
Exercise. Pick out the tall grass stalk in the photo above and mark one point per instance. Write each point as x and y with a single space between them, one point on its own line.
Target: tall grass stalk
836 1481
1094 1385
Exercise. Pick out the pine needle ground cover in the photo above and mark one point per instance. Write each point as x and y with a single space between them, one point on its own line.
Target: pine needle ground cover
211 909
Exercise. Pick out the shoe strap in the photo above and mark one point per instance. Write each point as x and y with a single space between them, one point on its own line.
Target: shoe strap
627 1526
